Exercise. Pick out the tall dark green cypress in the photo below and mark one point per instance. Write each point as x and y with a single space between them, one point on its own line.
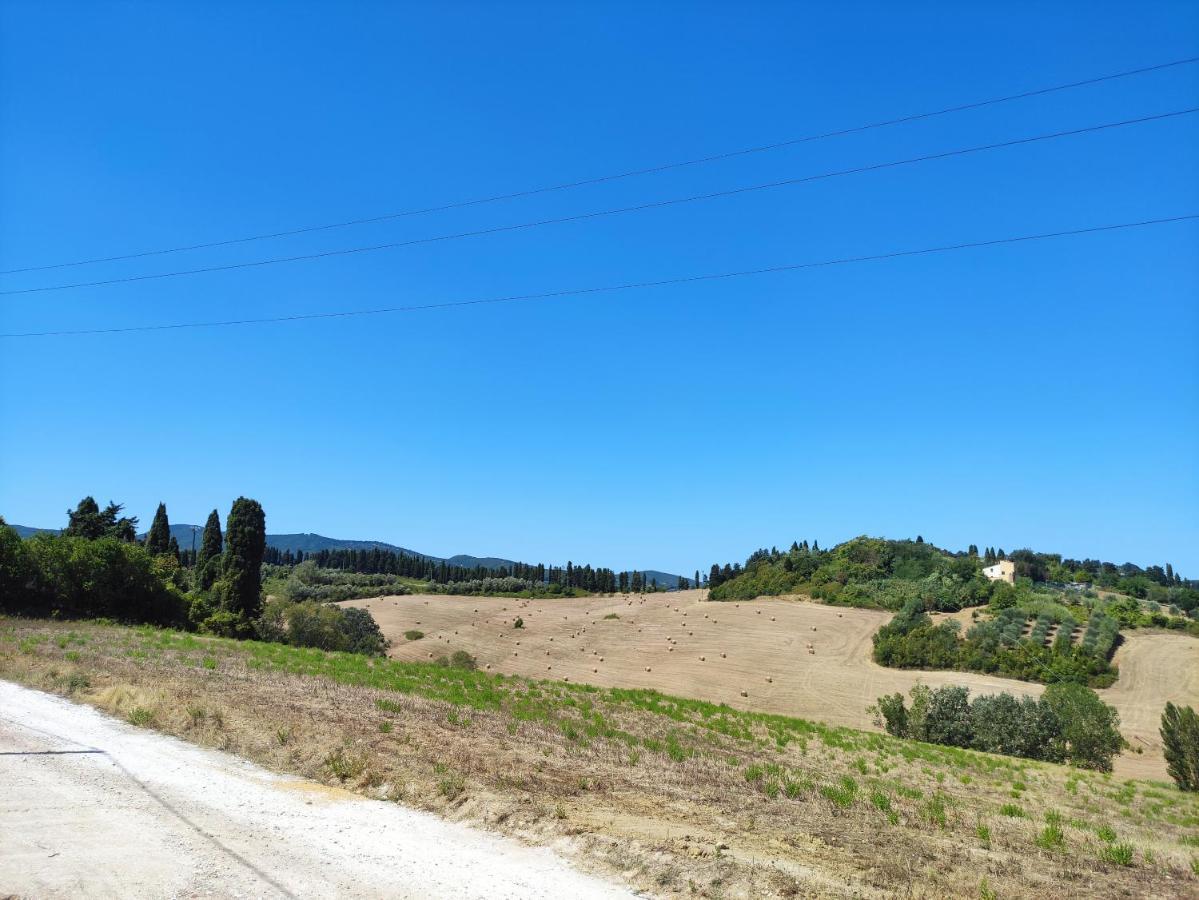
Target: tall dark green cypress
241 569
208 559
158 539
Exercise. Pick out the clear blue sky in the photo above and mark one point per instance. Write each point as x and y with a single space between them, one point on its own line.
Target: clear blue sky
1036 395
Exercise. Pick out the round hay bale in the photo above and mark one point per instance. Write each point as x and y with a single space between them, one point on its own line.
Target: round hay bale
723 655
813 627
745 693
595 670
514 653
488 666
772 618
703 659
601 659
769 680
648 669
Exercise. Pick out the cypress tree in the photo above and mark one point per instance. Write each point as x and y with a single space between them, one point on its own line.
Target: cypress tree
173 547
158 538
1180 744
240 587
209 556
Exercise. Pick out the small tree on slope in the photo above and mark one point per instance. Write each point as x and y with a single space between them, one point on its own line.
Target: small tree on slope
1180 742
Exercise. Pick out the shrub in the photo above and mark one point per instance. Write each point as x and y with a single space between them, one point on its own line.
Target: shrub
362 632
1180 742
344 766
463 660
1118 854
1089 727
81 578
321 625
893 714
1051 838
414 635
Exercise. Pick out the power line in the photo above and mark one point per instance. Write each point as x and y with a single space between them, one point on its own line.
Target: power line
602 179
628 286
597 214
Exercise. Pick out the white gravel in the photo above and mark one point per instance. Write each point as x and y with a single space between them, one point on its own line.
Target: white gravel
94 807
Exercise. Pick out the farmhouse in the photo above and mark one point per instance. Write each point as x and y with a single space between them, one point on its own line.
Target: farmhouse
1004 570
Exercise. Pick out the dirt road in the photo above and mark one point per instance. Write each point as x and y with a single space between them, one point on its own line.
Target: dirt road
93 807
787 656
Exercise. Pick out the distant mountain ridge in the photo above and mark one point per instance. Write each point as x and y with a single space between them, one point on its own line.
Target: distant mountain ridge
312 543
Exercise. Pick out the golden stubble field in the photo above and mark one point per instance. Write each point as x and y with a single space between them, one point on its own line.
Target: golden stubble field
778 655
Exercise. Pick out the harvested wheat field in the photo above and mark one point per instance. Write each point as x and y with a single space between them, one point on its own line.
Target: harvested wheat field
779 655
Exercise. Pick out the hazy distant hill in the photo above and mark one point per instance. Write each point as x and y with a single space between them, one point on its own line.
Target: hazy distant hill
310 543
664 579
26 532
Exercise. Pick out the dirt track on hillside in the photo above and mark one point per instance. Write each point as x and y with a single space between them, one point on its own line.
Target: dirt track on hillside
674 643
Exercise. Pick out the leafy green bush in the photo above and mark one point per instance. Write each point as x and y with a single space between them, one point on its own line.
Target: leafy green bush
77 577
321 625
1089 727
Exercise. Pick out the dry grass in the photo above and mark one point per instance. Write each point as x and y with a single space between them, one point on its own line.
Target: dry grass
771 655
678 797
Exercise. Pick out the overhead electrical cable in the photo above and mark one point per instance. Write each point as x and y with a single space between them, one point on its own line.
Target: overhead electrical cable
613 288
597 214
631 173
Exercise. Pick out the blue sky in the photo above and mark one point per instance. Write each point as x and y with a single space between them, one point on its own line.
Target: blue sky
1042 395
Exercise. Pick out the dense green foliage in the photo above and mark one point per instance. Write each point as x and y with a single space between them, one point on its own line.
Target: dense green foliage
863 572
307 581
321 625
1068 724
75 577
1180 742
69 575
1032 643
886 574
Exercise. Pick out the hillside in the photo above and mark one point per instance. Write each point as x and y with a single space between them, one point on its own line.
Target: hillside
674 796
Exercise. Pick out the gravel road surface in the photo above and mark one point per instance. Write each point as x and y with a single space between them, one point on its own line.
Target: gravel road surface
93 807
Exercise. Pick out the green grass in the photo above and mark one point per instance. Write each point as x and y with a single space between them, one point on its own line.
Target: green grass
1117 854
1051 838
1013 810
